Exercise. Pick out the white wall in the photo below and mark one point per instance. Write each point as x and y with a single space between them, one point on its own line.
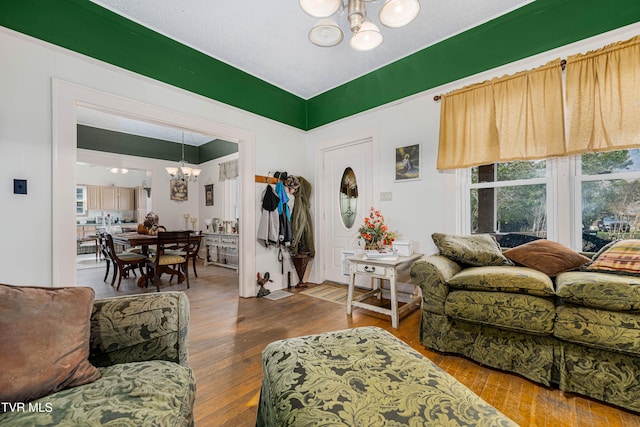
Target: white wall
420 208
29 133
27 122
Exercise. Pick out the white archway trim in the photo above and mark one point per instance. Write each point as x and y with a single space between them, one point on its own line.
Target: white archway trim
66 97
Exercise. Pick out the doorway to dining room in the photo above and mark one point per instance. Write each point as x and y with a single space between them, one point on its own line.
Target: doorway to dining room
67 98
102 173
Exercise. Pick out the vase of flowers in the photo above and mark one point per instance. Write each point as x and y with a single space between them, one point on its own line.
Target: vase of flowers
374 232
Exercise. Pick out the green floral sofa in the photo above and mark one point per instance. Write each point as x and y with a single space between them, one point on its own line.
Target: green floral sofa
578 330
139 346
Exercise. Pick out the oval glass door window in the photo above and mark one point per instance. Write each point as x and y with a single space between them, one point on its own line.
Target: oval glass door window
348 197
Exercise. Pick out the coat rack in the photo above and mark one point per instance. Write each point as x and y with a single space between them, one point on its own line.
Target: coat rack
266 179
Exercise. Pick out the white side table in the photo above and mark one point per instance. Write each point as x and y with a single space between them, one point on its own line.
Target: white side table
378 270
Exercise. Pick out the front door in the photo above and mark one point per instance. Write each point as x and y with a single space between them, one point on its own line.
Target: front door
347 195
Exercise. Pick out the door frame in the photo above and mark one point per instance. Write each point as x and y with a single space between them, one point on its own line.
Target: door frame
66 97
320 209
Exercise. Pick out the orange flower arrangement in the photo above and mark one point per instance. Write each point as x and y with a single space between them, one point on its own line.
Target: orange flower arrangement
374 231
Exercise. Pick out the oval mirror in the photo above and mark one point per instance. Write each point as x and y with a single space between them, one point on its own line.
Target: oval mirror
348 197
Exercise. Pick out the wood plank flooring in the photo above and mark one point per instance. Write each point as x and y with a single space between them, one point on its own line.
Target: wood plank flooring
227 335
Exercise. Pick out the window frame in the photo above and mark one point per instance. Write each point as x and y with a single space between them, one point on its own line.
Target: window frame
550 179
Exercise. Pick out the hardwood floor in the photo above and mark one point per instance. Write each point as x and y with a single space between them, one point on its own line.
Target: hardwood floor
227 335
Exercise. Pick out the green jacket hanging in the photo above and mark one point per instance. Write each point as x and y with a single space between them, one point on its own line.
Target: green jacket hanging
301 221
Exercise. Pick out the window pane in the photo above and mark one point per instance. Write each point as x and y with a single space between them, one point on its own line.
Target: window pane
509 171
519 209
610 209
610 162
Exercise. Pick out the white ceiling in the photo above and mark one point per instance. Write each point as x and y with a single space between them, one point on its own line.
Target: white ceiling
268 39
102 120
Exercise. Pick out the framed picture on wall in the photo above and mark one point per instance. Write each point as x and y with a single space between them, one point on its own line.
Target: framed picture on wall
179 191
408 163
208 195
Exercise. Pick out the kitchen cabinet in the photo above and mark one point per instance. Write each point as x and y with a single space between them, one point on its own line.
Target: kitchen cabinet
108 198
93 197
125 198
141 197
84 231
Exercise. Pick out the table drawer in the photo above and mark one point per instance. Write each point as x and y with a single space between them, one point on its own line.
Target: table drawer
378 270
212 240
229 242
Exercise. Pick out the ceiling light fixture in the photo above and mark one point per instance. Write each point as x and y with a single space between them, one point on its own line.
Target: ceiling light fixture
366 35
182 172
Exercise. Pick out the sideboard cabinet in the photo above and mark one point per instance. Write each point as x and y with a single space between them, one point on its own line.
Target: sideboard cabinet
221 249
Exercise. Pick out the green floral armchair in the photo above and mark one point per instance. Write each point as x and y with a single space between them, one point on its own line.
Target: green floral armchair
139 344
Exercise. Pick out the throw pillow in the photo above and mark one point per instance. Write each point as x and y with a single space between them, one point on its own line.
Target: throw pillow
623 257
44 344
546 256
477 249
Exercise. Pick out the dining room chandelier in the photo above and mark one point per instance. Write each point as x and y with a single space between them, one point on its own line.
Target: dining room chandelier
182 172
366 35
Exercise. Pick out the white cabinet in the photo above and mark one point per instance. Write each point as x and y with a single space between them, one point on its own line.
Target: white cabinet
221 249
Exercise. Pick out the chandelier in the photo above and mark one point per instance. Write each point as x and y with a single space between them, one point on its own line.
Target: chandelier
183 173
366 35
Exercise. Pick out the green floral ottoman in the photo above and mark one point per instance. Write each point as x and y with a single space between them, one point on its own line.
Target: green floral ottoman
363 377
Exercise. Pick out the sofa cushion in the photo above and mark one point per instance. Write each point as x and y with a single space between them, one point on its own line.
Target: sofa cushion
526 313
546 256
153 393
44 343
477 249
503 279
623 257
609 330
600 290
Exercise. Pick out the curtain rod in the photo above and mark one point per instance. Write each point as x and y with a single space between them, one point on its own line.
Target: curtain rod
563 64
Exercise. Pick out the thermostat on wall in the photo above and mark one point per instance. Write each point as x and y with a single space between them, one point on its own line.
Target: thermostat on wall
19 186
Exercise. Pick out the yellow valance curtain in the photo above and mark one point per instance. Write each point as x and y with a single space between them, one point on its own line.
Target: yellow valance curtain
517 117
603 98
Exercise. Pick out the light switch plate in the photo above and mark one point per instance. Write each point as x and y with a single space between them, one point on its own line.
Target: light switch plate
19 186
386 196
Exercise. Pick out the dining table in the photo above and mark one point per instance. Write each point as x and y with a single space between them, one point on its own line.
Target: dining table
134 239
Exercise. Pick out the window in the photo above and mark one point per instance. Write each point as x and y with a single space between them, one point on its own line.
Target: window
506 198
519 201
231 209
609 196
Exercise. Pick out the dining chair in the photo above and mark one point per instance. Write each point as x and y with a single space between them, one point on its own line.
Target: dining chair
125 261
172 249
104 253
191 252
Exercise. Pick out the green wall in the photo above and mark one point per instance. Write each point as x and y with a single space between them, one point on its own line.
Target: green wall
84 27
91 138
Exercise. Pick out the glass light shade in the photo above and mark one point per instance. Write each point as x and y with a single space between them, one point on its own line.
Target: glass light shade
326 33
398 13
369 37
320 8
123 171
114 170
172 171
196 172
186 170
